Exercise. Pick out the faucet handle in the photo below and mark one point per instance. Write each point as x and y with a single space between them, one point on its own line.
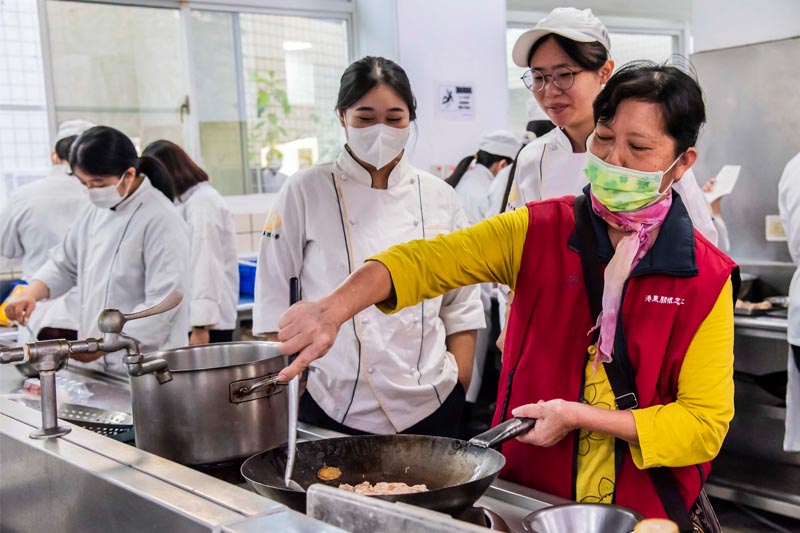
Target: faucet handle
112 320
170 302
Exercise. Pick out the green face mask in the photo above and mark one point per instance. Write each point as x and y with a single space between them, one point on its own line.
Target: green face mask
623 189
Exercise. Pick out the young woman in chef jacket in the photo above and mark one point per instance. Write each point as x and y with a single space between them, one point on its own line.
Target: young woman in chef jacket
405 372
127 251
568 54
215 272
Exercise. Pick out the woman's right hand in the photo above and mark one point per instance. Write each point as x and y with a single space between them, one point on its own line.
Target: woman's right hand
308 329
20 308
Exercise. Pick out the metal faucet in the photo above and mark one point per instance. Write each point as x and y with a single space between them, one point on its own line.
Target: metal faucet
52 355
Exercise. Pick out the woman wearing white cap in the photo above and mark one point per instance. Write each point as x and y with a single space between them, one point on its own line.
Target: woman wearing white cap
35 219
496 151
405 373
568 54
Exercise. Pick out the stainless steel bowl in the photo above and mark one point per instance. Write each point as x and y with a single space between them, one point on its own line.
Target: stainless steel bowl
583 517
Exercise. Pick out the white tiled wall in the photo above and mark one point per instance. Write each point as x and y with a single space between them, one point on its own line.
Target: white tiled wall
248 232
249 213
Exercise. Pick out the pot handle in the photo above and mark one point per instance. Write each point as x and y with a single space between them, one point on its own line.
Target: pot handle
258 385
503 432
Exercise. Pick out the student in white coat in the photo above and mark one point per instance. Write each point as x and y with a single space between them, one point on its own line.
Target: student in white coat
35 219
789 208
214 262
385 374
496 151
568 54
127 251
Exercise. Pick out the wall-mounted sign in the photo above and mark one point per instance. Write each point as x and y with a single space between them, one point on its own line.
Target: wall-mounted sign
456 100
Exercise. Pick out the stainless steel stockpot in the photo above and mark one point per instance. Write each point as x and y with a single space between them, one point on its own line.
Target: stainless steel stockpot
222 404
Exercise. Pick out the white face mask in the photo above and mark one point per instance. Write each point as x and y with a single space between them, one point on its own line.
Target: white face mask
378 144
106 197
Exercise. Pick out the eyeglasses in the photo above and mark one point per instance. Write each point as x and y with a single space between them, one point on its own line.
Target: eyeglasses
563 78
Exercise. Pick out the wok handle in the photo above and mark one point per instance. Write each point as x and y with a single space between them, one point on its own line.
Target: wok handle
503 432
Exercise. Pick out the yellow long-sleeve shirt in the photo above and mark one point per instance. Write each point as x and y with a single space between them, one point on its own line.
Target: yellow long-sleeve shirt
685 432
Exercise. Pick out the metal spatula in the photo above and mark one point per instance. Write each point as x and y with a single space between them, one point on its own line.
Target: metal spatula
293 400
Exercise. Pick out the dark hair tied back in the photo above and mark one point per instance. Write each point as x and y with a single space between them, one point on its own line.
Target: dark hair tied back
184 172
369 72
590 56
103 151
676 93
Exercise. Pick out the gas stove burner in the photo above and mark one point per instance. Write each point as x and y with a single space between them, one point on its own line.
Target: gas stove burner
229 472
481 516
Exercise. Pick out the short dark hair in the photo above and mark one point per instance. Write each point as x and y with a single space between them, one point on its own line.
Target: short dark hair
675 92
63 146
104 151
369 72
539 127
591 56
185 173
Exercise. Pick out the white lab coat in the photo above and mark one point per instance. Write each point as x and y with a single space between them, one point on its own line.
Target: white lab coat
384 373
36 219
473 192
789 208
214 261
129 259
272 181
494 202
548 168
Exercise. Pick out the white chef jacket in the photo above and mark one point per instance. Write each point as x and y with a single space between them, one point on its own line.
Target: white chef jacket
789 209
494 204
548 168
214 261
473 192
129 258
35 219
384 373
272 181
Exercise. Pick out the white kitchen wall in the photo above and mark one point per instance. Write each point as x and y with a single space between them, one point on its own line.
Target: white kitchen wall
726 23
453 41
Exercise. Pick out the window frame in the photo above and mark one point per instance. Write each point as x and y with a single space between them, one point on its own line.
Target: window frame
343 10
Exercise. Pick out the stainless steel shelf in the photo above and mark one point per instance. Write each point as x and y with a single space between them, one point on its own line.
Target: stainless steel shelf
773 487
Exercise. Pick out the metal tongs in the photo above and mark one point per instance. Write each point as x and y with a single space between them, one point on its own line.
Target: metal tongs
293 400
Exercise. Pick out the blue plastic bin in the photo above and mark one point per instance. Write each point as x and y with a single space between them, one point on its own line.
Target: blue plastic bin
247 277
7 285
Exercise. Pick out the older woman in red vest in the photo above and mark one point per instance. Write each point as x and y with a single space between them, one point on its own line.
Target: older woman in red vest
620 339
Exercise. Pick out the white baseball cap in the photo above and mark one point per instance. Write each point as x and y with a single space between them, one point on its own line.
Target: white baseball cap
500 142
575 24
69 128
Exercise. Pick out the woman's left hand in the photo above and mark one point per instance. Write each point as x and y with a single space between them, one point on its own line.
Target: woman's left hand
554 420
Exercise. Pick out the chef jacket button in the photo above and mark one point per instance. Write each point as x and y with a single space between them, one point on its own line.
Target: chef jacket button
365 320
344 178
415 320
353 222
413 181
370 370
416 222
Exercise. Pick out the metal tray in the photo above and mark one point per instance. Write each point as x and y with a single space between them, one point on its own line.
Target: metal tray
115 424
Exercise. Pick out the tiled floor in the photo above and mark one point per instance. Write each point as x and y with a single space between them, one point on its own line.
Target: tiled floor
735 519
